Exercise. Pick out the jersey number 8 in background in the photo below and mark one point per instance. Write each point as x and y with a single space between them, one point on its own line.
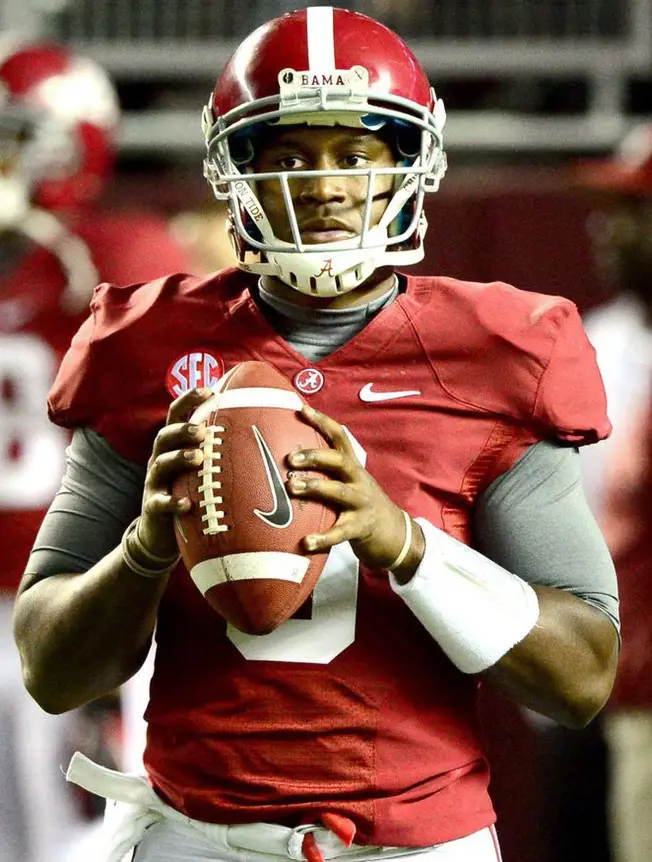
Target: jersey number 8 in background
32 451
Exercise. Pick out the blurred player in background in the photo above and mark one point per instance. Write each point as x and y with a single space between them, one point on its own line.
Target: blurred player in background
204 235
618 472
58 121
353 729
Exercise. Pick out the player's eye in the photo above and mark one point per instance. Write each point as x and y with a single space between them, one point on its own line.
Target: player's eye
355 160
291 163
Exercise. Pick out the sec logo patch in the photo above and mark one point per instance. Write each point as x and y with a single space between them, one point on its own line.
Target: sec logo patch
193 370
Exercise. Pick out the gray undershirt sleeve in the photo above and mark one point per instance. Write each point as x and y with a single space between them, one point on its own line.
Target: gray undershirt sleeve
533 520
100 494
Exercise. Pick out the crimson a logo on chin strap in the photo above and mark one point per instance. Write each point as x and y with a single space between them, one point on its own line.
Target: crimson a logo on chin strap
327 268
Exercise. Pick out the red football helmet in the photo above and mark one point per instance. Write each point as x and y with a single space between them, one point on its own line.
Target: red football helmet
58 118
325 67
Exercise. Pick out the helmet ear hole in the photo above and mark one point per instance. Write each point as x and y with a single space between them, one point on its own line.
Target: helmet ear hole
408 141
241 147
251 227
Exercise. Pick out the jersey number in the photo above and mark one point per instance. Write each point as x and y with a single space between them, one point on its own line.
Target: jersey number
331 627
32 451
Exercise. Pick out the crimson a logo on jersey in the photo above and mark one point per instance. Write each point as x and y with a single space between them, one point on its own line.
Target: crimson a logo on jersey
309 381
193 370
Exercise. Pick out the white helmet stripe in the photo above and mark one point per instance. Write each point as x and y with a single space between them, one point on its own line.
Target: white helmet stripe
321 38
83 93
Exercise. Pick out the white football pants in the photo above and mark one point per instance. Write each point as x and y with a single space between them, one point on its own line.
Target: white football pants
137 818
176 842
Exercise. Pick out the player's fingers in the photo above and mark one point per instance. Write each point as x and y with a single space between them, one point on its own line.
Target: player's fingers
329 460
345 528
183 406
170 464
161 503
179 435
329 428
340 494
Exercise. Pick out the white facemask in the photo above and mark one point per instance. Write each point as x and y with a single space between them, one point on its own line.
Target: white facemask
332 268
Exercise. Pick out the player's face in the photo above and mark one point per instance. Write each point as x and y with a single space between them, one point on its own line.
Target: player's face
328 208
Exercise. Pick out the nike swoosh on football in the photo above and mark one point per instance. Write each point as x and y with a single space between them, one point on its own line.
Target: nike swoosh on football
281 514
367 394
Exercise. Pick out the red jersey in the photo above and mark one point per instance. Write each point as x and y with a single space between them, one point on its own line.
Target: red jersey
35 332
350 707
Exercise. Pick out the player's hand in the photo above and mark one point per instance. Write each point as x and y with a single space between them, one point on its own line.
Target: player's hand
175 450
368 519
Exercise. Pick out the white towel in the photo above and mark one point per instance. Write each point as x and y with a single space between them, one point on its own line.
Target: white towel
131 807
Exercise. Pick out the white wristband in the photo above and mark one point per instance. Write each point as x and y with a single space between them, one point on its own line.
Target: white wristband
475 610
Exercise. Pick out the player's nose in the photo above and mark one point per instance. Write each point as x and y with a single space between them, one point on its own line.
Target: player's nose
325 187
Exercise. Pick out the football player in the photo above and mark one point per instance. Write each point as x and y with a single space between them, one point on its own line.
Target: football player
464 552
58 122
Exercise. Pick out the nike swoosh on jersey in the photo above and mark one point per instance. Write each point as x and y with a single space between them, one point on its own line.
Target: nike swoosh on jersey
281 513
367 394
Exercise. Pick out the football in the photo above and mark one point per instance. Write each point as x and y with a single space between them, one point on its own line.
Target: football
242 539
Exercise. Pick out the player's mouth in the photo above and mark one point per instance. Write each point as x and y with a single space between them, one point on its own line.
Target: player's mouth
316 231
321 236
